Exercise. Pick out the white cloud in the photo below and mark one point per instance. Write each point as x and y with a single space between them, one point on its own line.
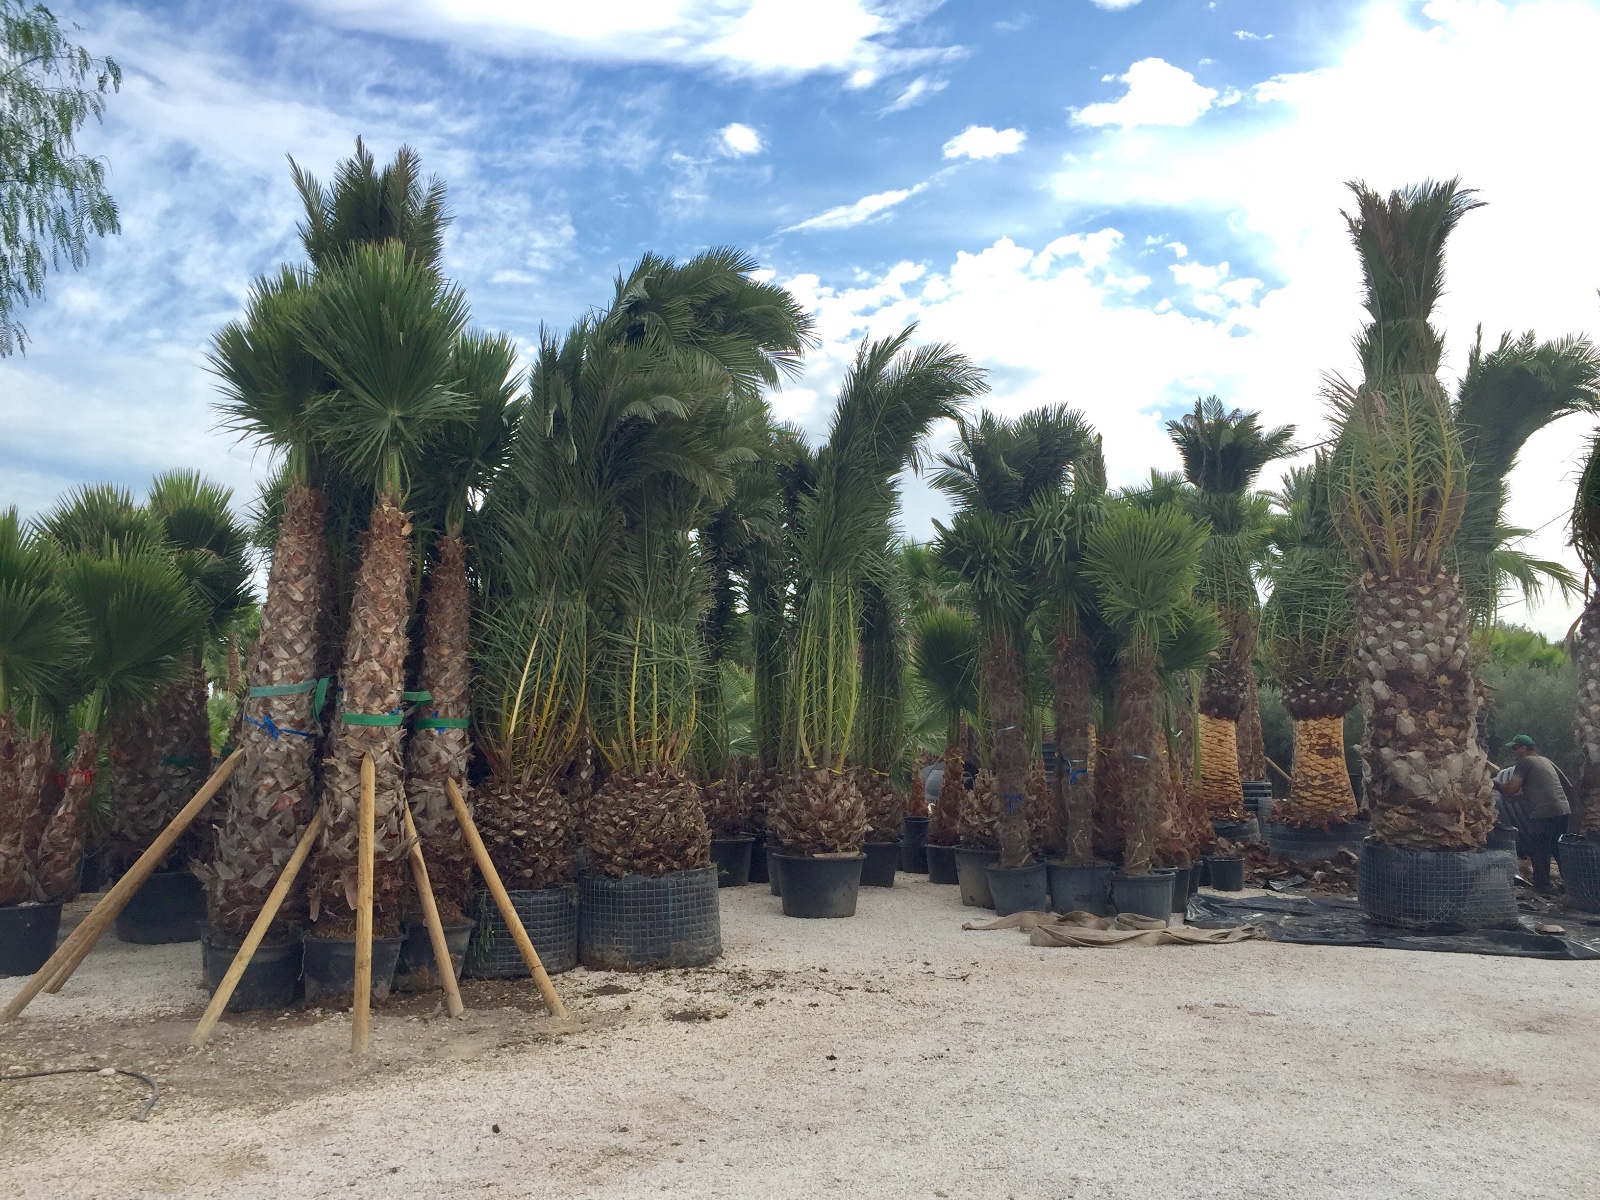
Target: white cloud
984 141
863 210
1114 4
1244 35
738 140
918 90
1158 94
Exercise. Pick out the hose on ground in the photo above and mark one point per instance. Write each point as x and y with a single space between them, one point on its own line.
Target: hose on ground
155 1088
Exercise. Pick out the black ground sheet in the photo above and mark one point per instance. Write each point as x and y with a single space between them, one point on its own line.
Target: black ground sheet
1339 921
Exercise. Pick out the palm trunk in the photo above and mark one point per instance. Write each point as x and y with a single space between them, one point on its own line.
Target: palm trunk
1319 792
372 678
917 796
529 831
1252 746
161 756
14 814
61 847
945 827
1072 684
1044 815
979 822
440 748
269 797
886 812
1586 722
1224 688
1430 786
1008 756
818 811
1138 734
650 824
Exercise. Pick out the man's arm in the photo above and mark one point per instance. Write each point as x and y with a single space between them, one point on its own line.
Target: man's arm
1513 785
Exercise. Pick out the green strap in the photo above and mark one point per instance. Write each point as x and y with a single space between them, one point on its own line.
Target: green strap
443 723
175 761
285 689
372 718
416 697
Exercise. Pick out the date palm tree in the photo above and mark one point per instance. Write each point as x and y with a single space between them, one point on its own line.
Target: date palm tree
1002 470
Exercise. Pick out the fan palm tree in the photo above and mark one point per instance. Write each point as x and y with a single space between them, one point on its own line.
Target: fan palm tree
1223 453
880 740
945 654
1585 534
1002 470
839 543
1399 488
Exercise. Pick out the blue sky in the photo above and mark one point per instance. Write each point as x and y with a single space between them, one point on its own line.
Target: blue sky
1115 204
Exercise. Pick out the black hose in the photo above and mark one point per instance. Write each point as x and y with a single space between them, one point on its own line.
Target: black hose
155 1088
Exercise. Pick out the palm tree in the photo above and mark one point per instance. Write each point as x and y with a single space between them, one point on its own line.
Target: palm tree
1003 469
1144 563
1308 642
365 206
945 652
1585 533
839 545
1223 453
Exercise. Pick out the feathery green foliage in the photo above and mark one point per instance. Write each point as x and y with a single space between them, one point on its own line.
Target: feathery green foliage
366 206
1308 623
1144 564
945 653
39 638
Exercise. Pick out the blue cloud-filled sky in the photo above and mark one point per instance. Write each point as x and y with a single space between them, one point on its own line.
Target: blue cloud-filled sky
1113 203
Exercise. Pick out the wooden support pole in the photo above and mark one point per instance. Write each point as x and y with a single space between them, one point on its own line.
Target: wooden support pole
361 1010
258 931
508 912
430 914
60 966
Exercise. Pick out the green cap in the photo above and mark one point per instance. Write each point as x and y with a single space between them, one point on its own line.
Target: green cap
1522 739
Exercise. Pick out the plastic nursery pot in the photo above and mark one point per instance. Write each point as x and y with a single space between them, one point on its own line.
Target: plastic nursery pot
1149 895
816 887
271 979
1226 874
1258 800
27 936
1580 871
1019 889
758 861
1081 887
641 923
913 853
883 860
970 874
330 969
731 857
416 971
775 871
1238 831
1311 843
170 907
550 917
1437 890
1181 886
941 863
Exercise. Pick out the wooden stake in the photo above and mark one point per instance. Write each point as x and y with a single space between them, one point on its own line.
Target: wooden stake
258 931
430 914
508 912
60 966
361 1012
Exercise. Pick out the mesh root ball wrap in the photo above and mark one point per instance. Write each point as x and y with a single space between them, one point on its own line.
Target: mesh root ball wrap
819 812
648 824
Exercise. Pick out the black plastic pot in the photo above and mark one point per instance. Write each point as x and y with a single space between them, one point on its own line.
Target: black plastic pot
170 907
1226 874
330 969
1311 843
641 924
1580 871
1258 801
775 871
1149 895
27 936
913 854
970 874
1181 888
1438 890
1081 888
1019 889
758 860
550 916
271 979
1238 831
820 887
731 857
1202 874
416 971
941 863
883 860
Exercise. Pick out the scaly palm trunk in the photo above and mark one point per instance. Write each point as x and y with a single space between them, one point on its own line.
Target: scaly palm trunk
1586 723
161 755
1044 817
61 848
1430 787
818 811
1252 745
440 748
269 797
1138 738
528 830
1072 682
1224 688
945 827
650 824
980 813
1008 757
14 813
756 792
886 812
1320 792
371 678
1109 826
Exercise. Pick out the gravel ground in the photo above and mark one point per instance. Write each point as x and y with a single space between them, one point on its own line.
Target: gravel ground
892 1055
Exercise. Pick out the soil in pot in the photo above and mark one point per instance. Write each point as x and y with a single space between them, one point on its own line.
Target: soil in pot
941 863
270 981
1081 887
1149 895
330 969
27 936
731 857
170 907
416 970
1019 889
972 877
883 860
820 886
1226 874
913 852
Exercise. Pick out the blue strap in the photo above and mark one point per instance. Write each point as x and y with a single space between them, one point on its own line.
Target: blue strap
273 728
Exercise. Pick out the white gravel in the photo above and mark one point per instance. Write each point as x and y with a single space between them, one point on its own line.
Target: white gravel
891 1055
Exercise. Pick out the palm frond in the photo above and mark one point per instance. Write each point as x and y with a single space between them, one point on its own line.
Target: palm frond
366 206
1144 563
39 638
